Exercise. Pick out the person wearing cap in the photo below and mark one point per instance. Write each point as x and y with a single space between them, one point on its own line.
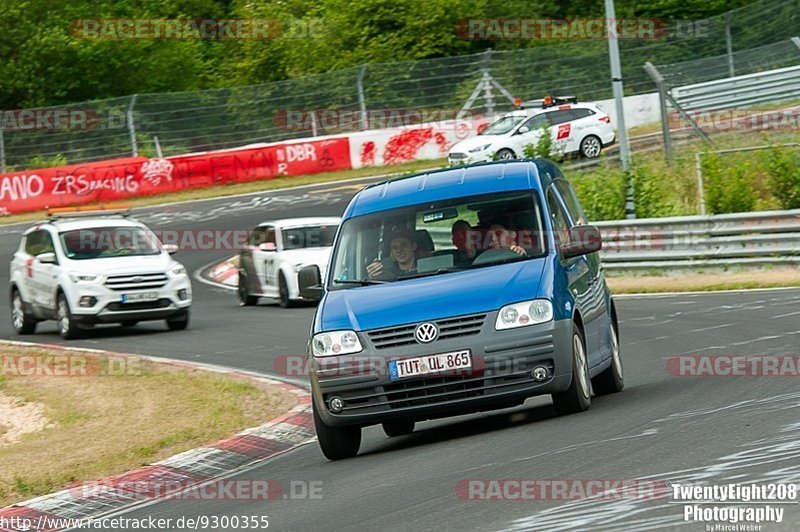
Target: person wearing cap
402 258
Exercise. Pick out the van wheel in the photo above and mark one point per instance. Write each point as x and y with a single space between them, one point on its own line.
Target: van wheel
336 442
283 292
591 147
179 322
398 428
611 380
21 322
245 299
505 155
67 327
578 397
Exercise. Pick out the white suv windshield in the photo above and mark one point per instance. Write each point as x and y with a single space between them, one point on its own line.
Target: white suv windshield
502 126
438 238
103 242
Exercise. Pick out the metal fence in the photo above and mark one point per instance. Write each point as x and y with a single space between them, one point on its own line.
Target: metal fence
223 118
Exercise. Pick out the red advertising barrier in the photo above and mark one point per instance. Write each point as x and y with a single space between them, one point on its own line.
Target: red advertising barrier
119 179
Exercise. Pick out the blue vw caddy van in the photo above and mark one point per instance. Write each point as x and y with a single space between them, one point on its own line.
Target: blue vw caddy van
457 291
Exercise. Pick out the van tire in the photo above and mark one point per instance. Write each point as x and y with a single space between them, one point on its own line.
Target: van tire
611 380
578 397
336 442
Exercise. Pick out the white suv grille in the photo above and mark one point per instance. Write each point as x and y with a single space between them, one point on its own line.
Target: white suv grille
138 281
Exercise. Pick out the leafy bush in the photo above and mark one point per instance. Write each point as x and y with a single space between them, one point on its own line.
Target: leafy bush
783 176
543 146
602 193
727 189
652 196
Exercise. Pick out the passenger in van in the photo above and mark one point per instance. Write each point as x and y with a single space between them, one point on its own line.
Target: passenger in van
402 258
463 239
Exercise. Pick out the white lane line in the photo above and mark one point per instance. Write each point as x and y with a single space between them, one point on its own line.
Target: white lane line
197 275
761 339
703 292
785 315
712 327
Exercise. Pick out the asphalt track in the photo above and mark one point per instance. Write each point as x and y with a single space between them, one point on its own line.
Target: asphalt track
662 427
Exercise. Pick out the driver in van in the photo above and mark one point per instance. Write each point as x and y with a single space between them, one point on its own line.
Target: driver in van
402 258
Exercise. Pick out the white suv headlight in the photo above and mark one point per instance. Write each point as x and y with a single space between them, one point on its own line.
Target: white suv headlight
335 343
523 314
178 270
82 277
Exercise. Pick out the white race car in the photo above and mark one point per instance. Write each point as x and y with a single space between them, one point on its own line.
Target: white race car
89 267
575 128
277 250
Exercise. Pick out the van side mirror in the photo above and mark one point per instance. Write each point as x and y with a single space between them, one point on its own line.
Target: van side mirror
309 283
47 258
584 239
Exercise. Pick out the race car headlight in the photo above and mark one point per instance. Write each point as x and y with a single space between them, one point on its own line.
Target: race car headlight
480 148
82 277
524 314
335 343
178 270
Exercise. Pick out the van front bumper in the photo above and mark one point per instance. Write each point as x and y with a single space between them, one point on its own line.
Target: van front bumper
501 375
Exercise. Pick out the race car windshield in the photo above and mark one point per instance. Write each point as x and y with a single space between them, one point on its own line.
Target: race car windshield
105 242
438 239
502 126
316 236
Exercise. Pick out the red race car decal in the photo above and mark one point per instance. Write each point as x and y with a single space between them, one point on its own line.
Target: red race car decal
563 131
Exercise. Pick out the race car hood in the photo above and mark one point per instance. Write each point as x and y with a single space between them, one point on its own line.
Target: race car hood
430 298
475 142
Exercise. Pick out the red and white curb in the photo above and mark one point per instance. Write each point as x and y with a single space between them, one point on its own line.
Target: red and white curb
224 274
190 468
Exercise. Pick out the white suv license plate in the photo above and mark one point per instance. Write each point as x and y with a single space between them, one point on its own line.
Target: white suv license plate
139 297
430 364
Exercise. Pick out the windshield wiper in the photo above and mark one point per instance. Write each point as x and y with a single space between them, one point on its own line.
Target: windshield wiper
431 272
362 282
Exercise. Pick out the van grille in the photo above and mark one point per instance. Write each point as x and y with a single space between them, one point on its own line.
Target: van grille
448 328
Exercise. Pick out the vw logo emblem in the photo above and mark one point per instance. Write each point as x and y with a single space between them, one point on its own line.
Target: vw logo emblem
137 279
426 333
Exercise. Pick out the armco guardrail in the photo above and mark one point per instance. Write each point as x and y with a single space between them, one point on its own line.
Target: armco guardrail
740 91
742 239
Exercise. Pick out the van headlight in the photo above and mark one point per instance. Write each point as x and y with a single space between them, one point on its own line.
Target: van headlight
480 148
335 343
524 314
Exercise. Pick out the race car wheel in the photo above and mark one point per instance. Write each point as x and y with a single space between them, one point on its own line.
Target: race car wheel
611 380
398 428
591 147
245 299
179 322
21 322
505 155
283 292
67 327
336 442
578 397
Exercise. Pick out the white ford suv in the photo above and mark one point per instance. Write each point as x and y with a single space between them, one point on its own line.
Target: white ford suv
85 268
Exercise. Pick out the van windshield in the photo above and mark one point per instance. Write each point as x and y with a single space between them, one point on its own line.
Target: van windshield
438 238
